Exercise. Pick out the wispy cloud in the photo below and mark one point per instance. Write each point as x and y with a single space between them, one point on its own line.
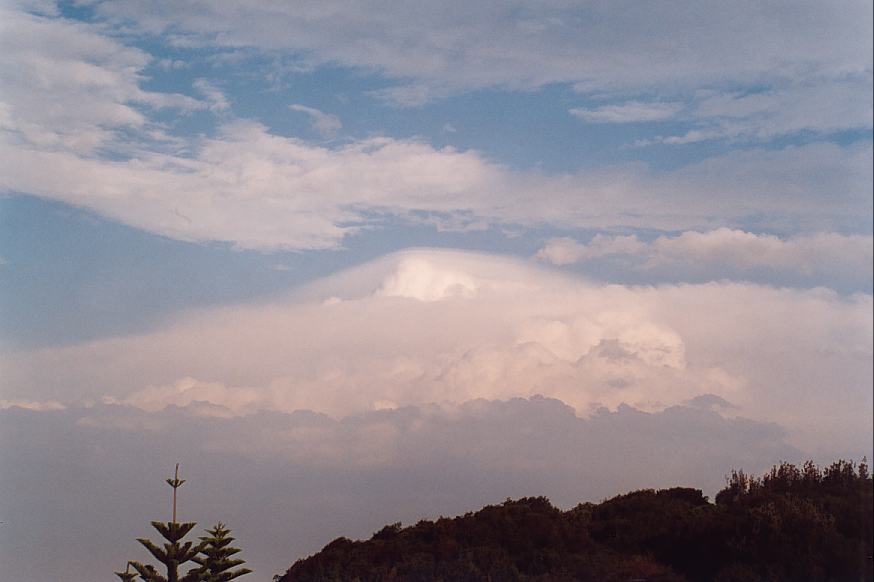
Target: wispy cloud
34 405
628 112
822 255
820 106
214 96
457 46
325 124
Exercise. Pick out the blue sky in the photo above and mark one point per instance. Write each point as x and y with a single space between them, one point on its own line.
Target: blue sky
371 213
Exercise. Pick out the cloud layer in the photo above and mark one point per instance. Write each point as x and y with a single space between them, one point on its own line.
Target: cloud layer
287 484
515 44
260 190
439 326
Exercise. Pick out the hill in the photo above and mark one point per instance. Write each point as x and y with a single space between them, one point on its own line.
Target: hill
792 524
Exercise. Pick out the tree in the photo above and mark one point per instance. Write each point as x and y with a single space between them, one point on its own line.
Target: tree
127 575
174 553
216 560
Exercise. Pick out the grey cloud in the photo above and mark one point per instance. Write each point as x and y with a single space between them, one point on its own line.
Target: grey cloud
812 58
85 482
710 402
517 44
819 105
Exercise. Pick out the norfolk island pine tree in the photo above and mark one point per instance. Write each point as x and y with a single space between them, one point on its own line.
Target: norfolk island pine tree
174 553
216 556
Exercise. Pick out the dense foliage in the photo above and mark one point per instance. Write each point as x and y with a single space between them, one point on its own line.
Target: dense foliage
792 524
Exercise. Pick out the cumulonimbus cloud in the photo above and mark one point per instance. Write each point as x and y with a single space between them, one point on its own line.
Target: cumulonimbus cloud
433 326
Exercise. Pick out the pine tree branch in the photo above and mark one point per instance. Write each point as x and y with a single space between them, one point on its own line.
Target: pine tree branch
148 572
158 553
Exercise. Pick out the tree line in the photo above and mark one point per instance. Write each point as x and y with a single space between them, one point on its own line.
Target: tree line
792 524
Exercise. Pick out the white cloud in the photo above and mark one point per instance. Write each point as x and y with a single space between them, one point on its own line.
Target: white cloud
326 124
820 255
67 87
430 326
565 250
823 252
260 190
224 401
628 112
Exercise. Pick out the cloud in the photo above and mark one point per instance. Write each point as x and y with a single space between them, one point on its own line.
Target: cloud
566 250
67 87
709 402
744 250
439 326
820 105
821 255
216 99
458 46
219 399
411 95
752 73
257 189
287 484
628 112
260 190
32 405
325 124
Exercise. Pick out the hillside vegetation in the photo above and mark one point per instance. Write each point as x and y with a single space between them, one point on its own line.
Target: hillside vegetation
792 524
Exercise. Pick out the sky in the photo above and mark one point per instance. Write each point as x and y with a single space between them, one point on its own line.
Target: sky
359 263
